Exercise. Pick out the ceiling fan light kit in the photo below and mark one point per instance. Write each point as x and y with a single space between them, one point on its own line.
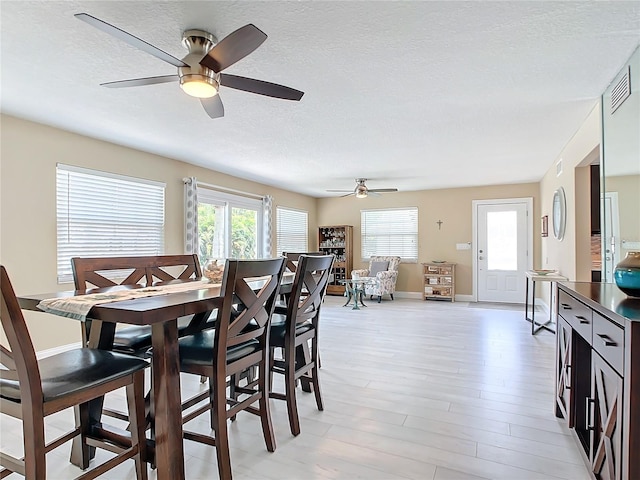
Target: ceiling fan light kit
362 191
197 80
199 86
199 72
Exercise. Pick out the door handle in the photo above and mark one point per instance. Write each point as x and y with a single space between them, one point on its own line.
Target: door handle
567 377
589 401
566 306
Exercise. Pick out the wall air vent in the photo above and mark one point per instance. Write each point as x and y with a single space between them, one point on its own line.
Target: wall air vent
621 91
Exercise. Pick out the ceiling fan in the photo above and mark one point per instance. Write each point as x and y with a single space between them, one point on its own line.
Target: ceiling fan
200 71
362 191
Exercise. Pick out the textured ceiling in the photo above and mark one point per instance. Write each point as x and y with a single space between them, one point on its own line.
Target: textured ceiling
413 95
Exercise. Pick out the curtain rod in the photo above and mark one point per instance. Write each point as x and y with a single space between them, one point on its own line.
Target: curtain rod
225 189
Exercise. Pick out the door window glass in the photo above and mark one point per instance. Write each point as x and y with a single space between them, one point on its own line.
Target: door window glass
502 240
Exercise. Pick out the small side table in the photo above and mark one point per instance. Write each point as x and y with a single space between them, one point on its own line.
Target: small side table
533 277
354 290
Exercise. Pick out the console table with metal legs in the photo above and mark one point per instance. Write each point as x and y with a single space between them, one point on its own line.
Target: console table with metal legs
532 278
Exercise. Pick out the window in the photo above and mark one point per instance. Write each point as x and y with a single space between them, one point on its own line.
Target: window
292 230
502 240
229 226
392 231
101 214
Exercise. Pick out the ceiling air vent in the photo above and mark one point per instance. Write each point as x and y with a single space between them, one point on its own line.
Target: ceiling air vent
621 91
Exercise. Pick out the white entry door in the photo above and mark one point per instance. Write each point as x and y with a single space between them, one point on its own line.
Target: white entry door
503 249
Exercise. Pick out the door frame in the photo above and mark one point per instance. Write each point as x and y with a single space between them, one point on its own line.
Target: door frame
605 235
497 201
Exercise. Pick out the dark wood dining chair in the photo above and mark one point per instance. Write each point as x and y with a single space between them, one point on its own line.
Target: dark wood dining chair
292 258
291 266
90 272
31 390
240 341
293 331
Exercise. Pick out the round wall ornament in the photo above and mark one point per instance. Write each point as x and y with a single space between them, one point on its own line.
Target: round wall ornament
559 216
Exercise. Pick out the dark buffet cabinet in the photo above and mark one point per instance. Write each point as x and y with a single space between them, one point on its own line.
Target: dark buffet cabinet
598 375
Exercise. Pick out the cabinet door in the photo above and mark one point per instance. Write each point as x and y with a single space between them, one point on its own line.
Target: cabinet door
563 370
606 442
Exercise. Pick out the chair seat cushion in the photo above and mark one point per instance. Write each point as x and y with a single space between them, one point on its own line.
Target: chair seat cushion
75 371
279 327
137 340
197 349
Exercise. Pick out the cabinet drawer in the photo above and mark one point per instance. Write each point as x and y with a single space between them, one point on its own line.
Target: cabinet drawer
576 313
608 341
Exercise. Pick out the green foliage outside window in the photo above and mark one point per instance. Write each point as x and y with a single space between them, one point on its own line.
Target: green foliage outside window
211 233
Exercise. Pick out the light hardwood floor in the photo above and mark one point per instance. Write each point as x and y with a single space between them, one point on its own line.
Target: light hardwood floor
412 389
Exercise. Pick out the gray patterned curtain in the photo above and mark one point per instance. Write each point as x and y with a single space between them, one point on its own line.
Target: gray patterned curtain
267 206
190 215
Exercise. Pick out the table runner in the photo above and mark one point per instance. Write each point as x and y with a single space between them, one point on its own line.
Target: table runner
78 307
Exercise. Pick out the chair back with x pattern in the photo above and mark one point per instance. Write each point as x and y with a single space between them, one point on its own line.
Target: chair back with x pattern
307 294
292 258
146 270
245 313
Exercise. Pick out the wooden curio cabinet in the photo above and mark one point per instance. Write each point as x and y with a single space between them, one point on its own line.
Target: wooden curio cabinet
337 239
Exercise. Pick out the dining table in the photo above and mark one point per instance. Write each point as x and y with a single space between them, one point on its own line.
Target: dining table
160 311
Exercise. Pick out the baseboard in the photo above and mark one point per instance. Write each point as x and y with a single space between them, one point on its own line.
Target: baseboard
464 298
540 303
413 295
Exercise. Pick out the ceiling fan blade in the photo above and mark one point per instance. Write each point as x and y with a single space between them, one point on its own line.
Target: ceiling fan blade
234 47
213 106
347 195
130 39
382 190
260 87
139 82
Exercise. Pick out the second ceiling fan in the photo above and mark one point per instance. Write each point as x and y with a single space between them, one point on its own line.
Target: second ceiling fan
362 191
200 71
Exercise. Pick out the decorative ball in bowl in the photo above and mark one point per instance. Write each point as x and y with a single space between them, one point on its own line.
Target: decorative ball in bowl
214 271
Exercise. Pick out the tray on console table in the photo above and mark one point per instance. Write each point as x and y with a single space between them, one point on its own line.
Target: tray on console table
598 375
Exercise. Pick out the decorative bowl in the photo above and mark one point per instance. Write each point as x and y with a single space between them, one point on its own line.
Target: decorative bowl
213 271
544 272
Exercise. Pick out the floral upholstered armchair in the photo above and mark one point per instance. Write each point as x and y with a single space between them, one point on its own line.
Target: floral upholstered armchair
385 271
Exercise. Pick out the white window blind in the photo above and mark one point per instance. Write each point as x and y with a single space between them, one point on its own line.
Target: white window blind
292 230
392 231
101 214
